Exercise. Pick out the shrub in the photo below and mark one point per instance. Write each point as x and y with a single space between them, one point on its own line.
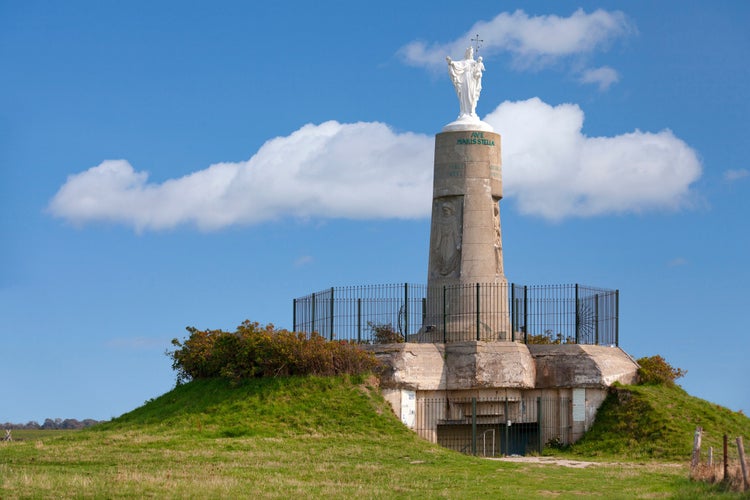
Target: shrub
383 333
655 370
255 351
549 338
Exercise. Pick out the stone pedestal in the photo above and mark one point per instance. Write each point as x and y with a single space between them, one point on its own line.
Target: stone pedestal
465 240
431 385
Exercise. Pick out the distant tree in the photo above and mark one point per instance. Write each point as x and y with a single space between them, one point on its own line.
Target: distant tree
52 424
71 423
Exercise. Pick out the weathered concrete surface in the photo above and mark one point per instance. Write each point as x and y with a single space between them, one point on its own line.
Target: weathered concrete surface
411 366
474 365
466 245
587 366
465 236
505 372
477 365
456 366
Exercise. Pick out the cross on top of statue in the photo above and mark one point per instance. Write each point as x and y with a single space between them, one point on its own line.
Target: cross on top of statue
477 44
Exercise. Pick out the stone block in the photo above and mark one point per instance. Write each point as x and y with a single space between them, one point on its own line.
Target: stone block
456 366
572 365
411 366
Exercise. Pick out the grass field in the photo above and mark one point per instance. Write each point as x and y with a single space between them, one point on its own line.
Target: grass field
284 438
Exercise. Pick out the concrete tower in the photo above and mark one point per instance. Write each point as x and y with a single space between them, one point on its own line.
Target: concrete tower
465 239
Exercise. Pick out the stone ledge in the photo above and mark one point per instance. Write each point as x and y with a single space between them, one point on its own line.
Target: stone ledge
572 365
456 366
476 365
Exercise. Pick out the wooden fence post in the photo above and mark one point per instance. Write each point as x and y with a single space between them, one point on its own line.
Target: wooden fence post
743 464
726 458
696 447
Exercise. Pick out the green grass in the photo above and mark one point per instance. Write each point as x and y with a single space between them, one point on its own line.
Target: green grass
657 421
284 438
36 434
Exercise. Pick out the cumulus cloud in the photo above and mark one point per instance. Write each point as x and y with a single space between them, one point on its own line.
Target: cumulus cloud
358 171
532 41
603 77
368 171
551 169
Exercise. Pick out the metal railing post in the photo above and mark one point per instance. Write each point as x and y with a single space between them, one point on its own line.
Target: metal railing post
332 317
578 320
478 308
507 429
406 311
525 314
312 325
359 320
294 315
596 319
617 318
539 423
513 318
474 426
445 319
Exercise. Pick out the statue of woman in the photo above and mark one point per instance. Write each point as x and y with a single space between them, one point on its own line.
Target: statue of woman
467 80
446 239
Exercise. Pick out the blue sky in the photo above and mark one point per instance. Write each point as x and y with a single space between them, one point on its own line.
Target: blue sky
173 164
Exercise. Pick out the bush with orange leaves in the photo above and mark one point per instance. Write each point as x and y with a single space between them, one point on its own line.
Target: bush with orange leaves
263 351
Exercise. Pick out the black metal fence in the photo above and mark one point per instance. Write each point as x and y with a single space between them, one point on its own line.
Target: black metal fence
495 426
413 313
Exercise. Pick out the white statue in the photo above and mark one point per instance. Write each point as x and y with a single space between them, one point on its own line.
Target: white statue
467 80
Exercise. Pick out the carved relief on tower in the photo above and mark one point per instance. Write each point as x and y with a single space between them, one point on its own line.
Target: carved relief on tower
445 247
498 237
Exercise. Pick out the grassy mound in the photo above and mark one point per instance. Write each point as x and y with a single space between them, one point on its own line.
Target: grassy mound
658 421
267 407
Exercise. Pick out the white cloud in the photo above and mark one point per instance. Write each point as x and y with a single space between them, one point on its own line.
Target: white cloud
304 260
677 262
357 171
551 169
366 171
604 77
533 41
735 175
